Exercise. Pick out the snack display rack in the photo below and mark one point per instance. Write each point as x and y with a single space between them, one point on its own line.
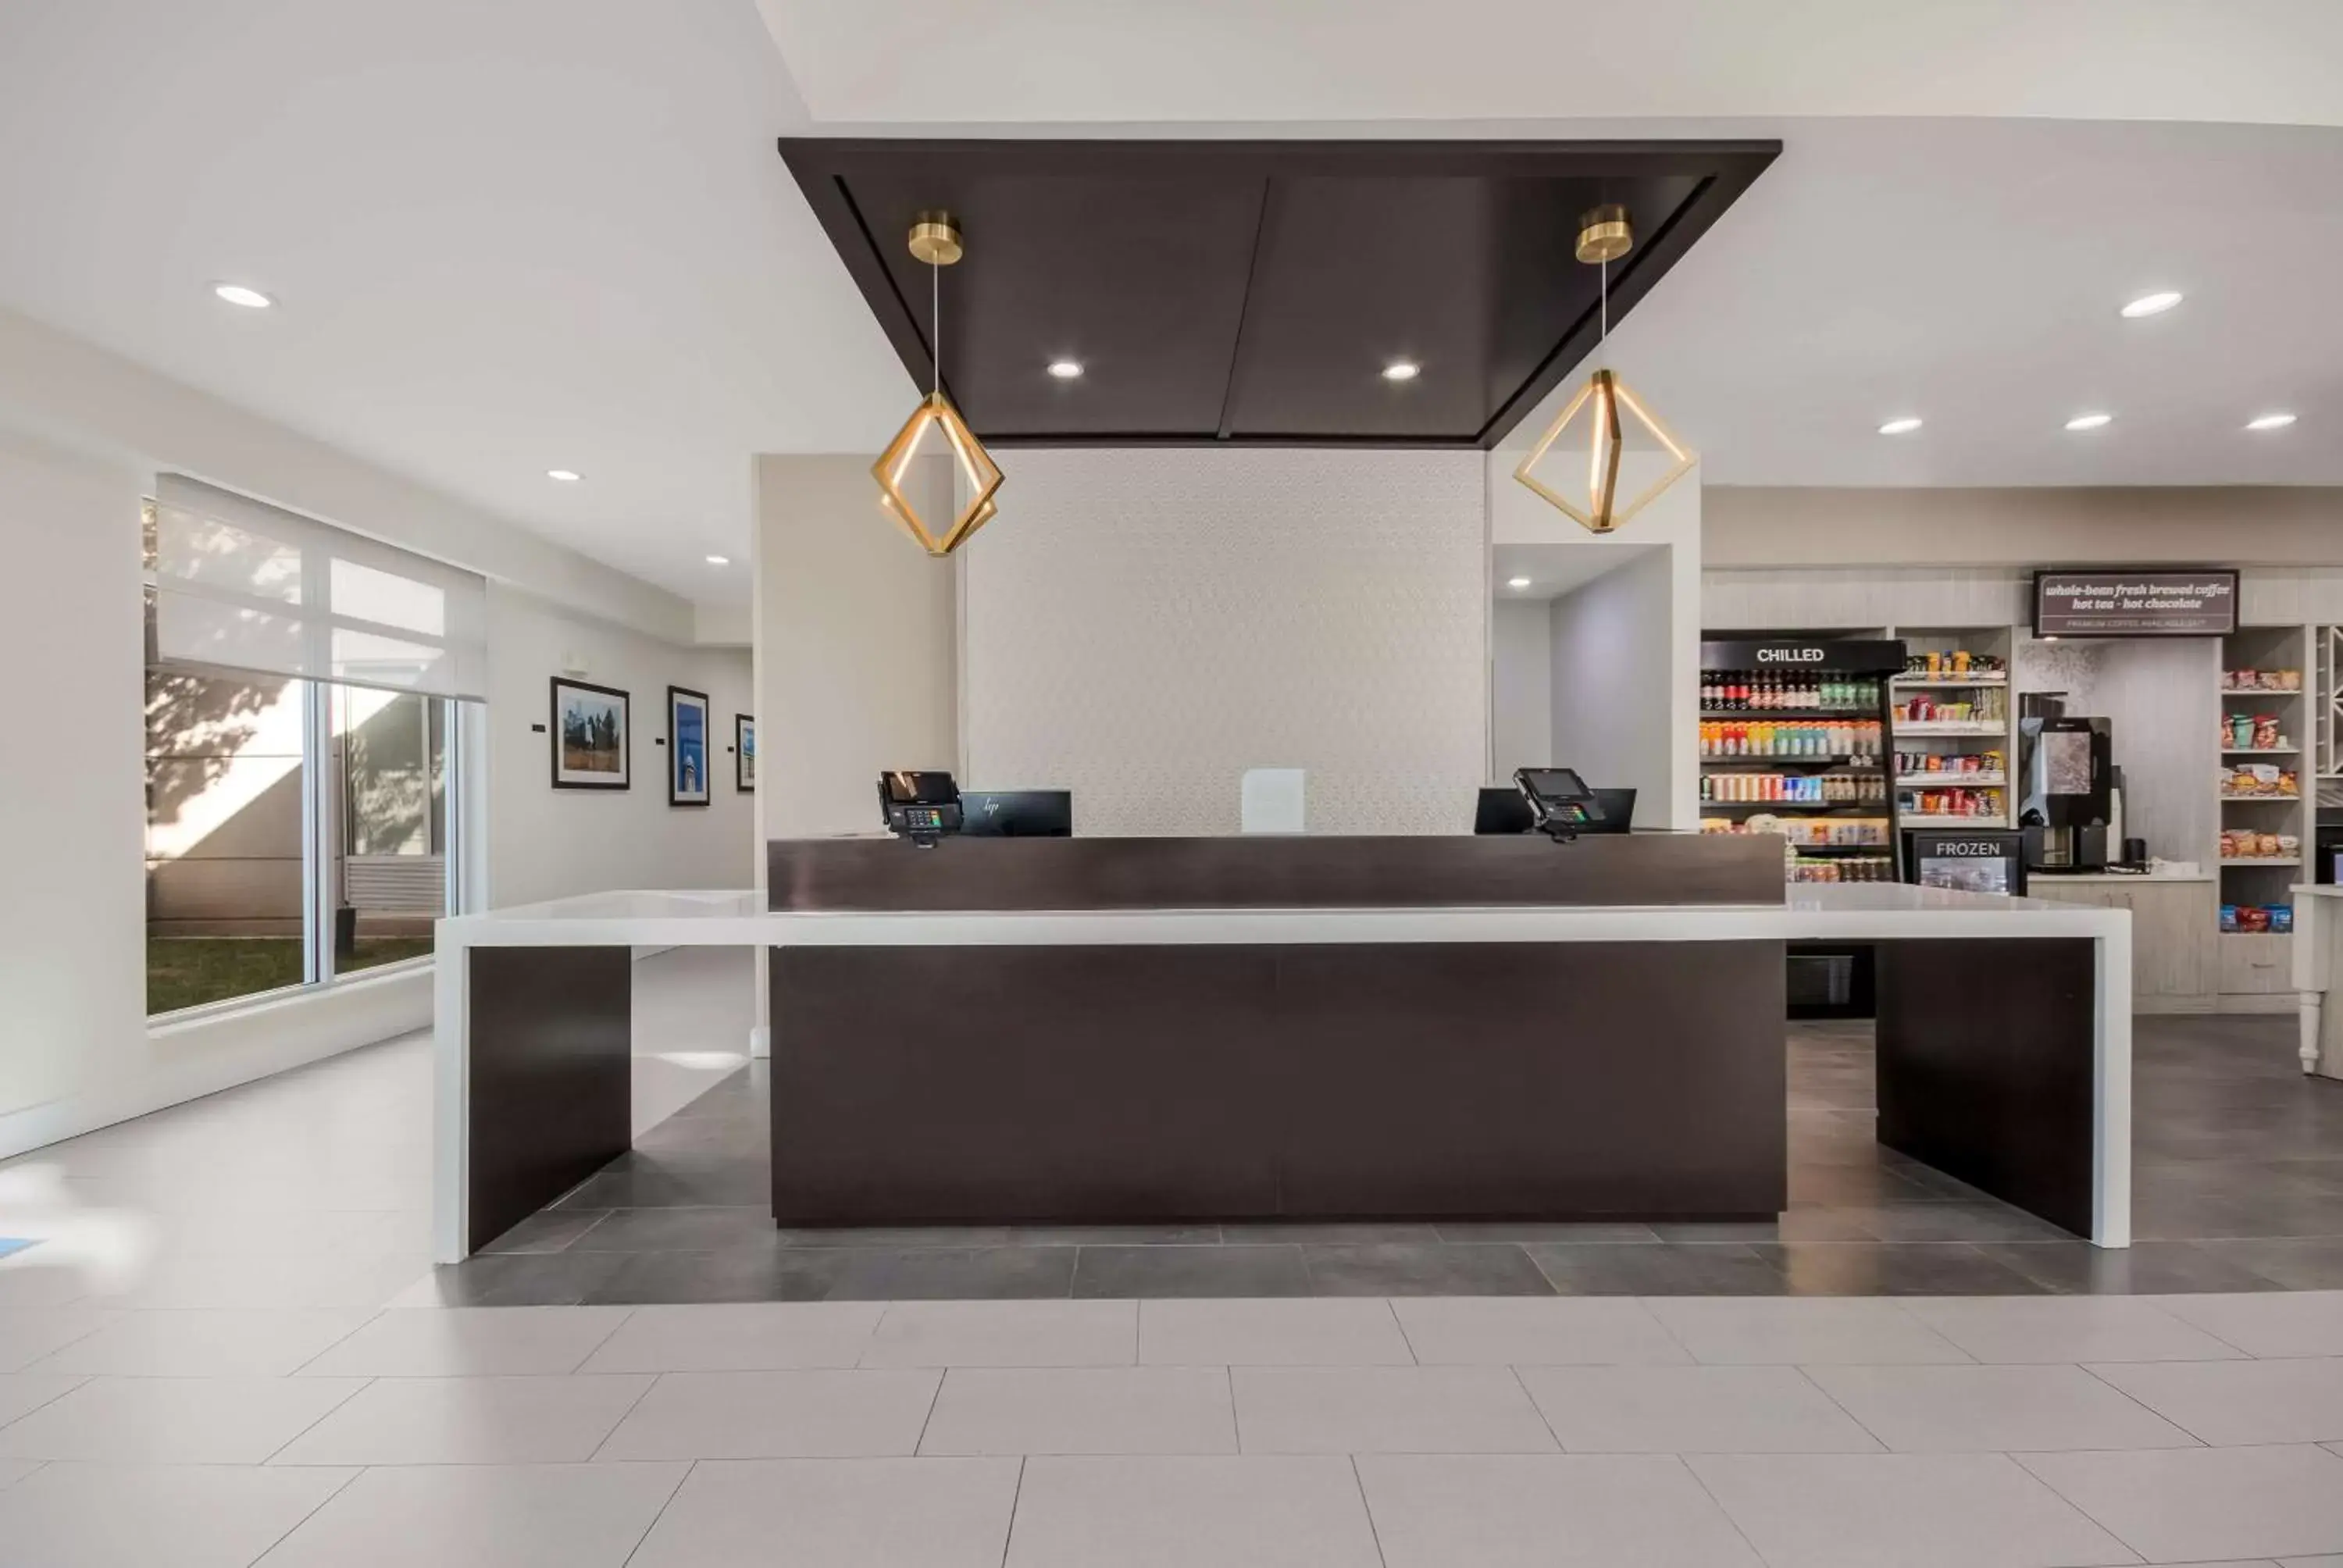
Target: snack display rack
2264 793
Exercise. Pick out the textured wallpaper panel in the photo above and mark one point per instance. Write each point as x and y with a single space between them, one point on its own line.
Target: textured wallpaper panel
1143 626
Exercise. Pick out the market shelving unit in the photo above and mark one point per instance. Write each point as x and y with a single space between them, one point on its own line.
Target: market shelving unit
1823 774
1954 706
2266 790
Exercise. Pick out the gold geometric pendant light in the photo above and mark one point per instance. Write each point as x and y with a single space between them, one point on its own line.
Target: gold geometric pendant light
1649 457
936 239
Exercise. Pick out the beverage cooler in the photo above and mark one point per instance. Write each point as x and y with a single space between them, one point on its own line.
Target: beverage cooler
1796 740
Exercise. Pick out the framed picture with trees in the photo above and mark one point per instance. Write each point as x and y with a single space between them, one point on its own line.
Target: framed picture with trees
591 740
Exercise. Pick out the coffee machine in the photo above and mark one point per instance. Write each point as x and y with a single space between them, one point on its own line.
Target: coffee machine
2068 809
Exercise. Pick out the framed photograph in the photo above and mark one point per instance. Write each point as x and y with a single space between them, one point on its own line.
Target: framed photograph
744 754
687 747
590 737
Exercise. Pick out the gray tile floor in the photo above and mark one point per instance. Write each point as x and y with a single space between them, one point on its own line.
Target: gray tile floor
248 1363
2239 1187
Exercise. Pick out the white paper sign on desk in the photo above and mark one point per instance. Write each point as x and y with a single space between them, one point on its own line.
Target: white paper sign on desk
1270 800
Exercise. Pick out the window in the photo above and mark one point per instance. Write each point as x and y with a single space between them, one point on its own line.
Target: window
298 828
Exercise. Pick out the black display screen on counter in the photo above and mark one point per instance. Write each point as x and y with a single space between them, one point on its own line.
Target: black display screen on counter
2128 602
1871 657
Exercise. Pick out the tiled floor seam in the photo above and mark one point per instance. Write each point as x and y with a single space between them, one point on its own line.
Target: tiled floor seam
665 1503
329 1349
1393 1308
1373 1533
1815 1384
362 1383
78 1380
655 1379
625 1315
261 1559
1016 1495
1718 1504
2171 1420
1523 1385
921 1442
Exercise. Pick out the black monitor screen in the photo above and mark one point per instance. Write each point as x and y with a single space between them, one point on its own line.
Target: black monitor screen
1555 784
906 787
1018 813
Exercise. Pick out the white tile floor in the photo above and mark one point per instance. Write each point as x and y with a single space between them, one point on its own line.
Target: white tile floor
250 1396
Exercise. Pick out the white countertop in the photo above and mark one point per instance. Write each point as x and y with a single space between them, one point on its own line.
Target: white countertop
1854 911
2052 878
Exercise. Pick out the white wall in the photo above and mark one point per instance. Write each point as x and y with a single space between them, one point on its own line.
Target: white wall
1521 687
1607 637
1142 625
1667 540
72 976
548 843
856 662
82 435
78 396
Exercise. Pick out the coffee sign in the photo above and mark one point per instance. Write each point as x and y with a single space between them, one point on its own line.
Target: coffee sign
2127 602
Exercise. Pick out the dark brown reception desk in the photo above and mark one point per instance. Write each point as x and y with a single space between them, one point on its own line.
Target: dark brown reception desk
1128 1030
1238 1029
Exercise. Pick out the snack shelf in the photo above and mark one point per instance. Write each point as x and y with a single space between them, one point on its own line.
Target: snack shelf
1950 780
2261 860
2261 750
1951 726
2268 799
1917 821
1924 681
2279 691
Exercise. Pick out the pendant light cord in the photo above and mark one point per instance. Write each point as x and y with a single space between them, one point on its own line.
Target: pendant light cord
936 321
1603 342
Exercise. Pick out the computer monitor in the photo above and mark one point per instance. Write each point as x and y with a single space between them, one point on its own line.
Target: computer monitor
1017 813
1618 808
1501 811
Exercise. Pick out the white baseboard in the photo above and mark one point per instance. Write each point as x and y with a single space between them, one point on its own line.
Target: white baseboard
194 1057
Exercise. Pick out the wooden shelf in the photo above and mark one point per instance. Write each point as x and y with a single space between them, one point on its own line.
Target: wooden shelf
1952 781
1924 681
2263 861
1865 761
1919 821
1795 715
2227 799
2260 691
1923 728
1854 808
2261 750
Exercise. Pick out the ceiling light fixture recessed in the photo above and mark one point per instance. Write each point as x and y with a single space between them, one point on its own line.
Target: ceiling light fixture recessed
237 294
2151 303
1903 425
2089 421
567 475
1402 370
1066 369
1517 582
720 560
2269 422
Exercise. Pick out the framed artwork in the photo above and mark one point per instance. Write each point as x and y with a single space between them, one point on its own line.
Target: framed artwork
687 747
590 737
744 754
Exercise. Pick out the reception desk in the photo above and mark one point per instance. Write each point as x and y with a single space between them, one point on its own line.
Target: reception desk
998 1032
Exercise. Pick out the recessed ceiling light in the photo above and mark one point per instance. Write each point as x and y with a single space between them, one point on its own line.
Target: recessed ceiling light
2269 422
1066 369
1517 582
567 475
1402 370
720 560
2152 303
2089 421
237 294
1904 425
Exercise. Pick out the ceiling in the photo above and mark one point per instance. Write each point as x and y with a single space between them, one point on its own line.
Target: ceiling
554 234
942 62
1555 569
1253 293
